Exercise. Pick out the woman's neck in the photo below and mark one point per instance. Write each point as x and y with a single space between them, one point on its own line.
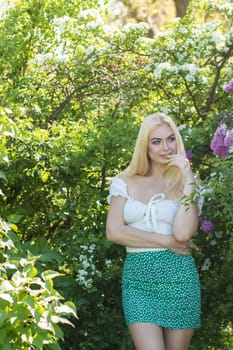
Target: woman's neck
157 171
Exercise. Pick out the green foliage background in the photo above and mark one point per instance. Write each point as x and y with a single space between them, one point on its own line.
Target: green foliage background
74 89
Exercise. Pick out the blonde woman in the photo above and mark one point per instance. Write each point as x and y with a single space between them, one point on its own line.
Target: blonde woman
151 215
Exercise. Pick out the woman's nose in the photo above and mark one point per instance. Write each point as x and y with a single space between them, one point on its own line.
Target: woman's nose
165 145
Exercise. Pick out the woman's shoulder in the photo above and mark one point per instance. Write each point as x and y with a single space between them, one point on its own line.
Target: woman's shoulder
132 182
118 187
130 179
126 177
125 183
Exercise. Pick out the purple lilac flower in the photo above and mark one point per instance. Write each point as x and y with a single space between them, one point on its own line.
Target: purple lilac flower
189 154
217 144
228 141
207 226
229 86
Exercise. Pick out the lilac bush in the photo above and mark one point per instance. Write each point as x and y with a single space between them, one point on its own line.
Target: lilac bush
189 154
207 226
222 141
229 86
228 141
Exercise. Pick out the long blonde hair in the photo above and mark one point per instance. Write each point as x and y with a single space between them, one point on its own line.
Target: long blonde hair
139 164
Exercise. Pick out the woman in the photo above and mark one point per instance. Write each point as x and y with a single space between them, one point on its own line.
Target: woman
153 214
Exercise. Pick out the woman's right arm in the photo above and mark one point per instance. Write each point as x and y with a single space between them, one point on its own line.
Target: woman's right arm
120 233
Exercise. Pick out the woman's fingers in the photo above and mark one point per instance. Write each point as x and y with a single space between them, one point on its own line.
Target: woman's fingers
181 162
181 251
192 245
182 247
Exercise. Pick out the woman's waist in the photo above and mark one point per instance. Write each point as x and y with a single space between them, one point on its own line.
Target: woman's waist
141 250
162 227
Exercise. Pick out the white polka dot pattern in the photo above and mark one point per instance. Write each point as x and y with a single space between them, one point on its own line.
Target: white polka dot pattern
162 288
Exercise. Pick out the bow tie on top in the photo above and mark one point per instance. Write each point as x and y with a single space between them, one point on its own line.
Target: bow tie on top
151 216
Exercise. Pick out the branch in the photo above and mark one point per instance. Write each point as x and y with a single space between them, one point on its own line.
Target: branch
67 100
216 79
181 7
192 96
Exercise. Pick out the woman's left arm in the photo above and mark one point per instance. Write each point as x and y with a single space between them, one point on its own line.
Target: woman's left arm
186 220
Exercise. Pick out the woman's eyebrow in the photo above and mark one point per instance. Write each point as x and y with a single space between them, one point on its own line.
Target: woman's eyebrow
158 138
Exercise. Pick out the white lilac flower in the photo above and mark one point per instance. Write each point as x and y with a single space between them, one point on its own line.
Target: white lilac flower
192 68
148 68
101 4
37 109
86 264
206 265
82 257
110 30
224 8
117 8
213 242
190 77
181 127
87 267
108 263
189 41
40 59
90 50
85 14
5 6
183 30
218 234
60 55
84 247
160 68
220 40
142 27
165 110
92 25
92 247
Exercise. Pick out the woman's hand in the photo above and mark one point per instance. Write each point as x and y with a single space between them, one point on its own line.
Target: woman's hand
179 247
182 162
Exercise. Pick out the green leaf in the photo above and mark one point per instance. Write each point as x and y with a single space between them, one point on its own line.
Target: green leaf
6 286
6 297
58 319
3 318
45 325
66 308
38 341
14 218
7 347
30 270
53 346
3 176
58 331
18 279
49 274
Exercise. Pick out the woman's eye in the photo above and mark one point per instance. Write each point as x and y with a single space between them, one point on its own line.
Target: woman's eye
172 139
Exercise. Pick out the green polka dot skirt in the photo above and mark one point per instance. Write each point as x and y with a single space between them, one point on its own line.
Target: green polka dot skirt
161 288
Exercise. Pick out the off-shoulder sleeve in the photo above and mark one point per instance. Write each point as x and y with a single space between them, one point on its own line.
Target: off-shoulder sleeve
117 188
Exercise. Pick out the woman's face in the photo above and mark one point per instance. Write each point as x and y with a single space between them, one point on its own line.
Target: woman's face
161 144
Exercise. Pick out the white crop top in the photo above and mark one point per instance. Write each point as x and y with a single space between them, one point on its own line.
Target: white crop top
155 216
